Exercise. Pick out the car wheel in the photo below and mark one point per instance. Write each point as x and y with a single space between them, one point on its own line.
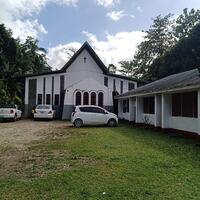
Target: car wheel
112 123
78 123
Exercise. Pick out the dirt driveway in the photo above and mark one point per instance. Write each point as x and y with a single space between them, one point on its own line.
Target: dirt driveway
20 133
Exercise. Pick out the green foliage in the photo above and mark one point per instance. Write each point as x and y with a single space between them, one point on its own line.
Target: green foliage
185 23
165 37
126 68
185 55
112 68
18 59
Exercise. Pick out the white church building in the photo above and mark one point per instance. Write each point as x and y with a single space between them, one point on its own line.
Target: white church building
84 80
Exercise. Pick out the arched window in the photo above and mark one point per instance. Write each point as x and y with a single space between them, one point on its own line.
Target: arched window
78 98
93 98
100 99
85 98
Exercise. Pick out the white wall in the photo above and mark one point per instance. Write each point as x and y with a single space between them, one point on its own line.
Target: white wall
79 66
166 110
130 116
184 123
150 117
121 114
88 85
48 84
158 108
26 90
139 110
132 111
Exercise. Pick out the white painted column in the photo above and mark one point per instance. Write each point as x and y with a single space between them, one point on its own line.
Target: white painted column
166 110
82 95
120 107
198 107
132 109
26 91
158 108
139 109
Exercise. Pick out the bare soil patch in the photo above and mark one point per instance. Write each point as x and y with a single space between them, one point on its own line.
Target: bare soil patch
20 133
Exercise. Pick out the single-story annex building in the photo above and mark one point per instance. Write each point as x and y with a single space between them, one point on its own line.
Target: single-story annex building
171 103
84 80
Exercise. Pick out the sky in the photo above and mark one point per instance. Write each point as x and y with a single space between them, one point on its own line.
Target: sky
112 27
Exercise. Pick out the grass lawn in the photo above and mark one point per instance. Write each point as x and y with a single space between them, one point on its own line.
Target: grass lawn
102 163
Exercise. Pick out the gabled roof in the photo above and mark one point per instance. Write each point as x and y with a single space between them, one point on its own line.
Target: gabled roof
96 59
176 81
93 55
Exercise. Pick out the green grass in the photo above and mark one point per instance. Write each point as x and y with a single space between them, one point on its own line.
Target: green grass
104 163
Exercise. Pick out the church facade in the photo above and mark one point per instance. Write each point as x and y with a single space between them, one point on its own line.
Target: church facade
84 80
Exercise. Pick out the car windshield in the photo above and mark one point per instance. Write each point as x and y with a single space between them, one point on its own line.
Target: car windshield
43 107
8 106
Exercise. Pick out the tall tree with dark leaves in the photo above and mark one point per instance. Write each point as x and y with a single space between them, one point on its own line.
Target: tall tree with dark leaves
185 23
157 40
185 55
160 39
18 59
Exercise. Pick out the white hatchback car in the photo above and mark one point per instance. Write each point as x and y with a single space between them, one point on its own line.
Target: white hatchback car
93 115
44 112
10 111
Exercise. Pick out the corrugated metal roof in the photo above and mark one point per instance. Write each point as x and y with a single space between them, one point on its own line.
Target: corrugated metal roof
175 81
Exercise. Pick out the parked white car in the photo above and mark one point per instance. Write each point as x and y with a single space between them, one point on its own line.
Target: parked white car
93 115
44 112
10 111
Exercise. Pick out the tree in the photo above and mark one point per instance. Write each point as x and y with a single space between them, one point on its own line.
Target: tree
185 55
163 35
157 40
126 67
112 68
33 56
17 59
185 23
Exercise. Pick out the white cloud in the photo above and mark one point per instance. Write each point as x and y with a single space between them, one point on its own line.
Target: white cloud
26 28
117 15
15 14
57 56
115 48
139 9
107 3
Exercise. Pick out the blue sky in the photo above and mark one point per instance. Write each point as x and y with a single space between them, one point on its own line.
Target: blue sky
113 27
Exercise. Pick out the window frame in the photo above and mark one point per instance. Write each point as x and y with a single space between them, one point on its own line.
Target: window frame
106 81
130 86
184 104
149 105
48 99
95 98
86 103
56 99
39 101
78 99
121 87
101 100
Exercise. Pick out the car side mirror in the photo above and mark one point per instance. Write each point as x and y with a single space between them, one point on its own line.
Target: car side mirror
105 113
